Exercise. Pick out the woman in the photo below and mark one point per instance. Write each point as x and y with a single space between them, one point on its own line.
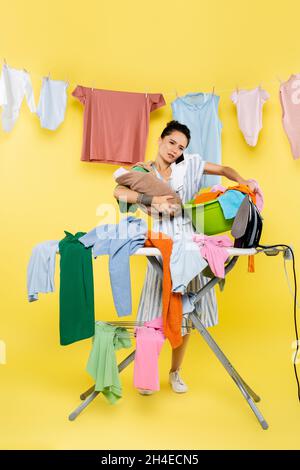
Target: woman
185 178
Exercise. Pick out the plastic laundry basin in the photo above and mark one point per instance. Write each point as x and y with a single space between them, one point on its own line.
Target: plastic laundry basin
207 217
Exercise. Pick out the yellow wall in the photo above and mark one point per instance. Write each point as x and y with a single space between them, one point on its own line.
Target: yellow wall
45 189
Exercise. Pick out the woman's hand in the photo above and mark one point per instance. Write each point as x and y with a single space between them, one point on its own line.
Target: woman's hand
251 185
162 205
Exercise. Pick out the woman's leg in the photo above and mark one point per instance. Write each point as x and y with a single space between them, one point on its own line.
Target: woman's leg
178 354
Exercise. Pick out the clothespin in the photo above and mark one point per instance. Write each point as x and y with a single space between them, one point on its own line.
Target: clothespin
176 93
67 82
213 91
146 94
237 88
48 76
5 61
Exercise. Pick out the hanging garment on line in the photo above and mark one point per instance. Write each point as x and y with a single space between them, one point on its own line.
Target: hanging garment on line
102 364
41 269
76 296
289 94
199 112
115 124
149 341
119 241
249 104
52 103
14 84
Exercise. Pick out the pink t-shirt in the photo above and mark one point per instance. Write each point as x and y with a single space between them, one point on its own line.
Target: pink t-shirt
115 124
289 93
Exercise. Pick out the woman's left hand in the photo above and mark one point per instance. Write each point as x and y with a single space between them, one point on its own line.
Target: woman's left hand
251 185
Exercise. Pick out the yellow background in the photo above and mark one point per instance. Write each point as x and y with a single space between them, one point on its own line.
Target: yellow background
45 188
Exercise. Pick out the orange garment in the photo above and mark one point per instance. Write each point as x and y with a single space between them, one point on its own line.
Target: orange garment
244 189
211 195
171 301
206 197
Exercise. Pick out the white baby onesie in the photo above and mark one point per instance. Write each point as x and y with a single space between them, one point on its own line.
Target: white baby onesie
14 84
249 104
52 103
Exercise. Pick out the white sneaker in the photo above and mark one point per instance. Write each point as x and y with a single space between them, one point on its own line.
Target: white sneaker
177 383
144 391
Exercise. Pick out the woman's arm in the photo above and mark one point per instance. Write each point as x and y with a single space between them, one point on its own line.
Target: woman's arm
228 172
159 203
122 193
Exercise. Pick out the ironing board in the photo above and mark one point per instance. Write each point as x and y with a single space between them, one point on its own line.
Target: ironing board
250 396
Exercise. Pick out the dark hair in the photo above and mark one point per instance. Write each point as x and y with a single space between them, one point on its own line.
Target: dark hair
176 126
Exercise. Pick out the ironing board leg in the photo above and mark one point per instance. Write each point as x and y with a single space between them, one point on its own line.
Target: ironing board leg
83 405
244 388
91 394
84 395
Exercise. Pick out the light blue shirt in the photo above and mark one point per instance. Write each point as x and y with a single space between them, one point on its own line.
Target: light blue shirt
230 202
41 269
119 241
199 112
186 262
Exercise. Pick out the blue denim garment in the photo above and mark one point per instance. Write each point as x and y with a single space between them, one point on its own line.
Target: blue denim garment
119 241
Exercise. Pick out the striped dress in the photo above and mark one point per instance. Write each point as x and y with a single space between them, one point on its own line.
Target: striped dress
186 181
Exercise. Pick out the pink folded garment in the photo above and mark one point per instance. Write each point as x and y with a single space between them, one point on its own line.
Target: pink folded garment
213 249
149 341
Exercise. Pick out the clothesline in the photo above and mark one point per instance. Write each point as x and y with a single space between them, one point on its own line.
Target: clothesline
175 92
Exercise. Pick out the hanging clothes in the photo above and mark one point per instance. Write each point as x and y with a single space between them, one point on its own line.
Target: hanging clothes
116 123
41 269
171 302
76 296
213 249
149 341
289 94
199 112
119 241
186 262
249 104
52 103
14 84
102 363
